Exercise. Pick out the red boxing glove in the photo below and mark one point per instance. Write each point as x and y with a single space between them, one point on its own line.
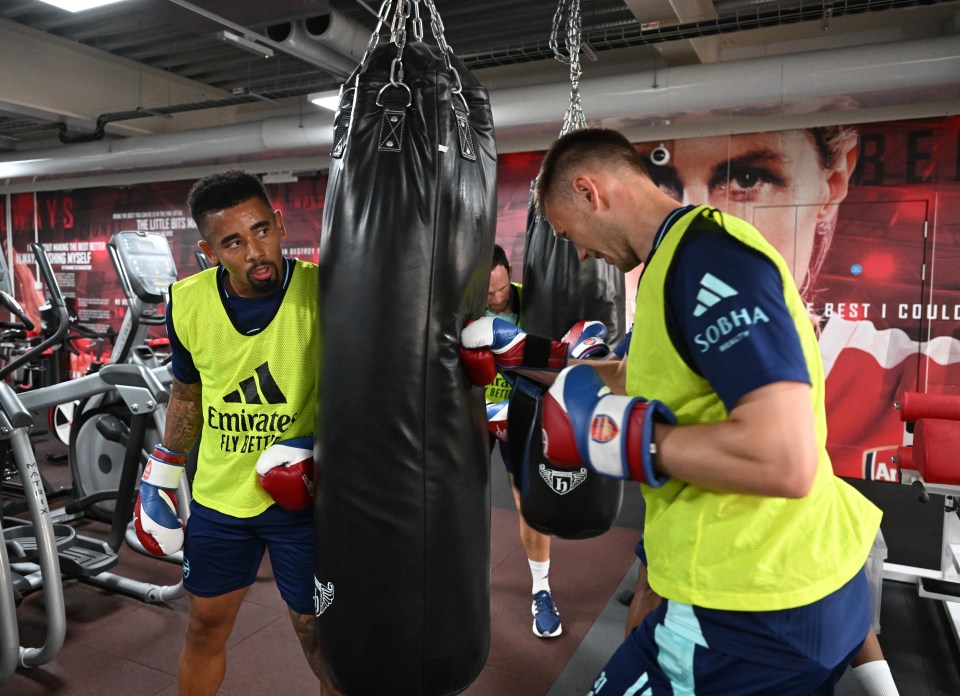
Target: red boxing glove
285 470
509 346
480 364
584 424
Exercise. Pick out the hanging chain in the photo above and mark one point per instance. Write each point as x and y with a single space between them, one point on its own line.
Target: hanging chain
398 33
396 17
417 22
436 26
382 18
573 119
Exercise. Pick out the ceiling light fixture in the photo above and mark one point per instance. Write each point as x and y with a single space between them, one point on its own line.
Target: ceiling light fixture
280 178
327 100
79 5
245 43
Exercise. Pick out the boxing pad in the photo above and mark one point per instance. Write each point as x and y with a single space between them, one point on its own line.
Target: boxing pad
566 503
935 445
285 471
402 479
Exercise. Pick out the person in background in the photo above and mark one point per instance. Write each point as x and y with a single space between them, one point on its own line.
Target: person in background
503 302
245 349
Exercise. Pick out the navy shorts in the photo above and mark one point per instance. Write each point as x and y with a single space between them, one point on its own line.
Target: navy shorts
680 649
504 453
223 553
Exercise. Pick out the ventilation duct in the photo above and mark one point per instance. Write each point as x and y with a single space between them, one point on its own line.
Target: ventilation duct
339 33
920 75
295 36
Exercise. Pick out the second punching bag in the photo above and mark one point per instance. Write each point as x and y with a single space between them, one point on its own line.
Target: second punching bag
558 291
403 495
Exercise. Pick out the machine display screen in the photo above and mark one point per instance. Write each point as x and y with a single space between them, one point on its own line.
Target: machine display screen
148 263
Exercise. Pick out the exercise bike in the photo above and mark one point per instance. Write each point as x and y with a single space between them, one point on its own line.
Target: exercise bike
145 268
142 390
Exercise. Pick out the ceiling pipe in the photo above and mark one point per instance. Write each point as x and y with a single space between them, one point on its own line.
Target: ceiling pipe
275 135
340 33
909 72
296 37
247 34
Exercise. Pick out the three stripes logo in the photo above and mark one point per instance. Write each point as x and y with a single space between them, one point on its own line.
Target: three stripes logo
260 384
712 291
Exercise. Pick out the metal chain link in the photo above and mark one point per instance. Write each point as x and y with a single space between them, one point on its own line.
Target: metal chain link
396 17
417 22
573 119
436 26
399 35
382 18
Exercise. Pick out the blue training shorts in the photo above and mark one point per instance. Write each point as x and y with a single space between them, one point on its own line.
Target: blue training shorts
223 553
680 649
504 453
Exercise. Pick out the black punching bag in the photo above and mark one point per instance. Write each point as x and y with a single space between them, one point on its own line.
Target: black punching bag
403 491
558 291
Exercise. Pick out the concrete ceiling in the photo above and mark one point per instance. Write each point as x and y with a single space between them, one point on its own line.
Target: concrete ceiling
143 69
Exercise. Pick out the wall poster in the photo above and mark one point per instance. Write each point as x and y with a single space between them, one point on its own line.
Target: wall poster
868 218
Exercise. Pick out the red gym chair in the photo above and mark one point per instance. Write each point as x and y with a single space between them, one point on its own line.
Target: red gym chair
929 460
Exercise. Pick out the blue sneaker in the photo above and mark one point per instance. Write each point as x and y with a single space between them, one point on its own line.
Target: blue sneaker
546 618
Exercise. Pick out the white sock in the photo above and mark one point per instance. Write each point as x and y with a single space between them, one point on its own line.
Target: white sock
541 575
875 678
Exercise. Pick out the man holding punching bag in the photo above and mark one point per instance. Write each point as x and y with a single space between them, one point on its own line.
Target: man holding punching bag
503 302
718 410
245 348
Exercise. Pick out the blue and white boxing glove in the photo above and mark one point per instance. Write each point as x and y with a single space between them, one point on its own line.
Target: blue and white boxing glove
285 471
497 419
585 424
155 519
585 339
509 346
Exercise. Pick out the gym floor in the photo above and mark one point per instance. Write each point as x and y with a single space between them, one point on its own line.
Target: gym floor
119 646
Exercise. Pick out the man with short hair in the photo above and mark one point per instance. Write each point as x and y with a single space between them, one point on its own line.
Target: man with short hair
756 548
245 349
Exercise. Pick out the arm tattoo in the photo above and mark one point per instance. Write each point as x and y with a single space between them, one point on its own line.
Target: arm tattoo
184 417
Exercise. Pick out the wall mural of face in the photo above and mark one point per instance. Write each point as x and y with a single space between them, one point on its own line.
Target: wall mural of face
782 182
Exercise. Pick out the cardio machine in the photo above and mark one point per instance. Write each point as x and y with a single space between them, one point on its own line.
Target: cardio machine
139 390
97 441
35 539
